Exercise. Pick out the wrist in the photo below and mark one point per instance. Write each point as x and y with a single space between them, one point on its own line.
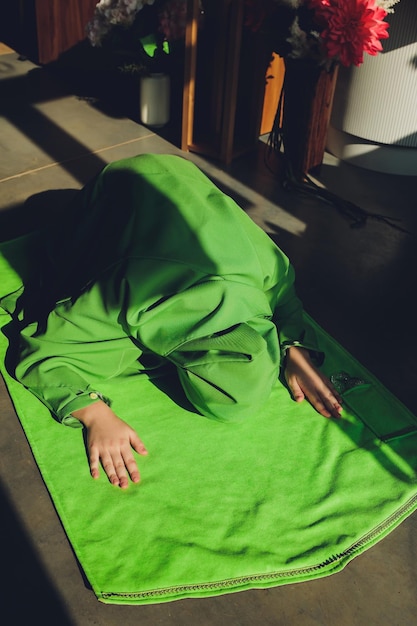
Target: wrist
296 351
88 414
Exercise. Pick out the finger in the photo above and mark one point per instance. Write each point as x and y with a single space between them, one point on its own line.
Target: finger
108 466
123 480
131 467
332 401
94 463
331 405
336 406
295 390
332 389
327 397
317 400
335 409
319 406
138 445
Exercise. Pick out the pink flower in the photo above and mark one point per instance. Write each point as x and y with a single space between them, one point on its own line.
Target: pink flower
350 28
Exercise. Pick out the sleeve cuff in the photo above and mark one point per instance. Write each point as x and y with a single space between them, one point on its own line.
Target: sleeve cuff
316 355
80 402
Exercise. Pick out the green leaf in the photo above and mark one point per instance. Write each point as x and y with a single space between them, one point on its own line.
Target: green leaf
150 45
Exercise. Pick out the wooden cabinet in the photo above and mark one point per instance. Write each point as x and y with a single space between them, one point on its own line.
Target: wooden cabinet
60 24
232 86
224 82
43 29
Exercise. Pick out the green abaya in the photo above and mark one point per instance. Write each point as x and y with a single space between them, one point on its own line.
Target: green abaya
156 265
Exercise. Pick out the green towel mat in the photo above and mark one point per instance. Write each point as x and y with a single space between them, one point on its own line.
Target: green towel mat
286 496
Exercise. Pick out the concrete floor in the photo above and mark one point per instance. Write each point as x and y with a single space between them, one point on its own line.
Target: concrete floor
359 284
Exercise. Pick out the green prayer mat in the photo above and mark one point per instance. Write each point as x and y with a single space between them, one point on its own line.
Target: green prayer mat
286 496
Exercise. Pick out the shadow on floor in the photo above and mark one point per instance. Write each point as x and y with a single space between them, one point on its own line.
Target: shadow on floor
26 589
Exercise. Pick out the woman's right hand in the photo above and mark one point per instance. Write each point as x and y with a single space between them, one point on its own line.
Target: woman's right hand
305 380
110 441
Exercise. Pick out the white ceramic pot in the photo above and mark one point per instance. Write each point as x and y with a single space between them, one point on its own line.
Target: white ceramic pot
374 118
155 100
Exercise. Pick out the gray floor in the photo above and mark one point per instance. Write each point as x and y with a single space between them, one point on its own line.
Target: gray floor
359 284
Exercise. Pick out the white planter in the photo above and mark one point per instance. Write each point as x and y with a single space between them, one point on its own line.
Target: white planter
374 117
155 100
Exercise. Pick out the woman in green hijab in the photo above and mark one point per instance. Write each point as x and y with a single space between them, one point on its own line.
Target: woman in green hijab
155 266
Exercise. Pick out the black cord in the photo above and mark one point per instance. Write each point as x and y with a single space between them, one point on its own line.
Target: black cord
302 183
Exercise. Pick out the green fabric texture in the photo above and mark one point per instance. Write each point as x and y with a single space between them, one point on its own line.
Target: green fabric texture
166 265
284 496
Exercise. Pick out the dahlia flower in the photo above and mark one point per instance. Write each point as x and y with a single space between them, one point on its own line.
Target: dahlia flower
350 28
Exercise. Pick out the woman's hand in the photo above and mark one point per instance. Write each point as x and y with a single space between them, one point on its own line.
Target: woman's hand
109 442
306 381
